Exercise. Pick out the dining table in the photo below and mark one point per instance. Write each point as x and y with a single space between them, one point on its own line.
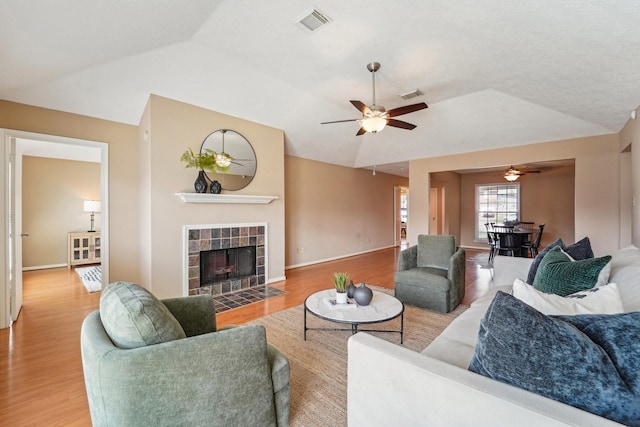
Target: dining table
511 238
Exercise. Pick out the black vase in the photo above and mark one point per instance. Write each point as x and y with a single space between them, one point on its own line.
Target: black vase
215 187
350 289
362 294
201 183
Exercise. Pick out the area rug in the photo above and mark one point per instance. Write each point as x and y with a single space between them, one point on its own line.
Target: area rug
319 365
91 277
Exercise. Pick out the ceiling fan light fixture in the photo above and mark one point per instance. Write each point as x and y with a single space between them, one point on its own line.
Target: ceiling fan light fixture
223 160
512 174
373 124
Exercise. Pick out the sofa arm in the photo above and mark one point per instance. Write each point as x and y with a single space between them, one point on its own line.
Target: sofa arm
392 385
508 268
196 314
456 273
408 258
281 388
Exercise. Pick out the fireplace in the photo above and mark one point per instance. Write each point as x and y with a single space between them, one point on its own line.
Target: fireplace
225 258
218 265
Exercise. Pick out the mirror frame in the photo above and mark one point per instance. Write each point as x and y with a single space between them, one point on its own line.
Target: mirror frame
241 150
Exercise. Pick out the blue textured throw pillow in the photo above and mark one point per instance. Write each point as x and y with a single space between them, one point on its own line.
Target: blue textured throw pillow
591 362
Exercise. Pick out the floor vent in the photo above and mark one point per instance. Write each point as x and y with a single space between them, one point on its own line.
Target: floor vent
312 21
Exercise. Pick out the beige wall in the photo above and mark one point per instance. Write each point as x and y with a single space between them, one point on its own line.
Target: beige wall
545 198
335 211
123 171
53 192
596 203
173 127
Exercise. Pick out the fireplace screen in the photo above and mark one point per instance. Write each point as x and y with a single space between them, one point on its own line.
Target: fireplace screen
219 265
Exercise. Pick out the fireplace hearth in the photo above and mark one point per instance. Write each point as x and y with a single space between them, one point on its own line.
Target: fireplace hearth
224 259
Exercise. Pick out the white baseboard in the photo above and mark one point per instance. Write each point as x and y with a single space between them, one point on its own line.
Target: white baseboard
305 264
276 279
43 267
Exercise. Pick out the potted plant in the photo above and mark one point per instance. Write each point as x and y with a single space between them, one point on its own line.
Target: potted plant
210 161
341 281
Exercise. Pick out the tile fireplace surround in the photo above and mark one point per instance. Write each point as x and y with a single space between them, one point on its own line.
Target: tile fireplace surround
222 236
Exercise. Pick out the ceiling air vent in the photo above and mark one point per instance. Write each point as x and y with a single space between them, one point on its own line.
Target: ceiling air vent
312 20
414 93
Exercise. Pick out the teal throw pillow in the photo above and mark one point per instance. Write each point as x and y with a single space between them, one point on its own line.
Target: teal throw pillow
538 259
559 274
133 317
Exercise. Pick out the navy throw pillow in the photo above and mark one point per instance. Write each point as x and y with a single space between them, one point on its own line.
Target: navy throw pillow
580 250
591 362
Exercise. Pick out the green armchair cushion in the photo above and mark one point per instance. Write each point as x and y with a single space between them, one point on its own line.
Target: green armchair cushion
435 251
133 317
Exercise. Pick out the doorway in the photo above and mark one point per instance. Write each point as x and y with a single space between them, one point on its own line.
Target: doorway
401 215
17 144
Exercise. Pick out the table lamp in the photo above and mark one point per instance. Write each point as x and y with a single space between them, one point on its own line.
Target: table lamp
92 206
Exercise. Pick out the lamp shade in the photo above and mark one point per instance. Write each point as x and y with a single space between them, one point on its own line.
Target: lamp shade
92 205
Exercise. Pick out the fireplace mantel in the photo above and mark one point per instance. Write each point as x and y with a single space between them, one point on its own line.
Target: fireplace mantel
224 198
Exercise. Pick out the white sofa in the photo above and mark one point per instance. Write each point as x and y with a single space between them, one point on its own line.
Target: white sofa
389 385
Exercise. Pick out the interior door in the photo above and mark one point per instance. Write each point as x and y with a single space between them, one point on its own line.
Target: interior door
433 211
16 219
397 191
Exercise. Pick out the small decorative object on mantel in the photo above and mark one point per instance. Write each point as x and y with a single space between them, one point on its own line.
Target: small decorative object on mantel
350 289
205 161
362 294
200 185
215 187
340 281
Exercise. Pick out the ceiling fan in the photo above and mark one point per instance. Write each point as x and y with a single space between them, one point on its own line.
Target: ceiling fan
513 174
376 117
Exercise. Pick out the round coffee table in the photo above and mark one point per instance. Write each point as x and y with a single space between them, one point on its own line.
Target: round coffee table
383 307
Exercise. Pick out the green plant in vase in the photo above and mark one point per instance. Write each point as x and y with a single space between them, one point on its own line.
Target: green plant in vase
208 160
341 281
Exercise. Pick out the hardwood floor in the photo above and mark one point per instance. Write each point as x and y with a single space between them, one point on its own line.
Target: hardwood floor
41 380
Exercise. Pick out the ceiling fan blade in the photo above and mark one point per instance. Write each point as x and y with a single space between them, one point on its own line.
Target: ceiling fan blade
361 107
361 132
339 121
400 124
406 109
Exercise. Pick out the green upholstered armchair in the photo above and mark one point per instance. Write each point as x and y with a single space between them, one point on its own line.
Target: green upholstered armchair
207 378
431 274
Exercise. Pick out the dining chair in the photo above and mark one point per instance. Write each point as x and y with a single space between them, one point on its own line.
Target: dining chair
526 226
493 242
532 247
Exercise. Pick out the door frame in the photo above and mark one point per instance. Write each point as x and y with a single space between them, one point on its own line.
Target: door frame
7 297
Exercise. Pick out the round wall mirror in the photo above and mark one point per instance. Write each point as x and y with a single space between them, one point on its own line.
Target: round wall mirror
243 159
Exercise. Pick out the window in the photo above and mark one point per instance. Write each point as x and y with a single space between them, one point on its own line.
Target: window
495 203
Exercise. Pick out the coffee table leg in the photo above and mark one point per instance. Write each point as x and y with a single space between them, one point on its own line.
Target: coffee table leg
305 322
401 327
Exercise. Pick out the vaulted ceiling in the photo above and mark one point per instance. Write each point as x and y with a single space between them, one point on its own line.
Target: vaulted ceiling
494 73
